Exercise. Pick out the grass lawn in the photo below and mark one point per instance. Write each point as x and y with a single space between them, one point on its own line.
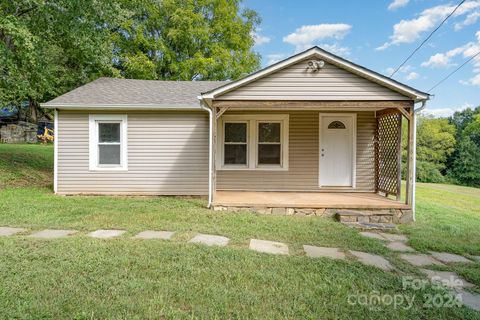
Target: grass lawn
85 278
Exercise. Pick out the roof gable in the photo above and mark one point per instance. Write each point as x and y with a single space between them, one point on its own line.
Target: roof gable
333 64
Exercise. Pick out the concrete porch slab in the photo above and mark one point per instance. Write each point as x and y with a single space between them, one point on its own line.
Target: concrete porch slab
335 200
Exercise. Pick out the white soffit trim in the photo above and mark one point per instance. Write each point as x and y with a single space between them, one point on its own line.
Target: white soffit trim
330 58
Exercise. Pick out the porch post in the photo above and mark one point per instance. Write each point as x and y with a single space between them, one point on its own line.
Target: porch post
410 199
214 153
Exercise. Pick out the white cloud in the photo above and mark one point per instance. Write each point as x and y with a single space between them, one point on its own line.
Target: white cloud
469 20
336 49
446 112
397 4
412 76
260 39
440 60
275 57
408 31
405 70
305 36
468 50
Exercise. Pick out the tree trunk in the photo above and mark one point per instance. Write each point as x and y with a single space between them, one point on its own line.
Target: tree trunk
33 109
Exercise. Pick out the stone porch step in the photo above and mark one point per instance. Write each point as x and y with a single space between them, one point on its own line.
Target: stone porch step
369 218
370 226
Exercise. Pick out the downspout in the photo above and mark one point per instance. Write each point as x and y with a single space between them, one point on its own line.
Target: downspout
55 151
414 151
210 150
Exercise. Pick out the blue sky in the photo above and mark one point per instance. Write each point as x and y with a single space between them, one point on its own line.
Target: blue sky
380 35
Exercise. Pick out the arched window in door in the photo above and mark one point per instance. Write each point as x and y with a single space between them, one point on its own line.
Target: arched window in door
336 125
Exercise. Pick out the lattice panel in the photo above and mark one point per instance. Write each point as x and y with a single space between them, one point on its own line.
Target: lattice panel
388 153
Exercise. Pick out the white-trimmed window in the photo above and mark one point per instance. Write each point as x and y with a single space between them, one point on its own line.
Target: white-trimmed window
253 142
108 142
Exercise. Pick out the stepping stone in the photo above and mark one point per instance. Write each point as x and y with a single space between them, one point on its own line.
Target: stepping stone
268 246
471 300
7 231
449 257
323 252
52 234
372 235
210 240
448 279
420 260
400 247
106 234
149 234
372 260
394 237
476 258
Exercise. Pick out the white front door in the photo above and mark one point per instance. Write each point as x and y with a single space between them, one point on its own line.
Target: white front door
337 153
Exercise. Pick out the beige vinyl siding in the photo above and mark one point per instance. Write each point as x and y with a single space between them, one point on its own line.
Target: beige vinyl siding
302 174
167 154
296 82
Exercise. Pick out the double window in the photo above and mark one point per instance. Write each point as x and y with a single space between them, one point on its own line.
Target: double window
108 147
253 142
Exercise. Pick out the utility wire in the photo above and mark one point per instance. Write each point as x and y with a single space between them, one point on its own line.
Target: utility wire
451 73
425 41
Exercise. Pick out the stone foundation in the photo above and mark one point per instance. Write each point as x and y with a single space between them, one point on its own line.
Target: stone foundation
396 216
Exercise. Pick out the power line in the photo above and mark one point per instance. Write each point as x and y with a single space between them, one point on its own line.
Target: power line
425 41
451 73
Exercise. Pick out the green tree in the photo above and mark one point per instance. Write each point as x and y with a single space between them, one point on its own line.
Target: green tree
435 143
466 165
186 40
49 47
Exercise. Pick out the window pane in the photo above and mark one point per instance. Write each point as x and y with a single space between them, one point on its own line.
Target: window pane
109 154
109 132
235 132
269 132
235 154
269 154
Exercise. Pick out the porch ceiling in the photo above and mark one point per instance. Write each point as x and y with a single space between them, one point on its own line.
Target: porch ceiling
337 200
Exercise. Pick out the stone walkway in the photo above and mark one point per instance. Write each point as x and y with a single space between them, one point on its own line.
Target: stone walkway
394 242
450 280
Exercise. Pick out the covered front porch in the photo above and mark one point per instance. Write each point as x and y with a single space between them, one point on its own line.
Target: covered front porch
373 170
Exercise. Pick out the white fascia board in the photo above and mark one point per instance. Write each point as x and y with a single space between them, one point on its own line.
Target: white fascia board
342 63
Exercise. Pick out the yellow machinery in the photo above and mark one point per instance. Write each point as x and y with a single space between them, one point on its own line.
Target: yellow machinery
46 137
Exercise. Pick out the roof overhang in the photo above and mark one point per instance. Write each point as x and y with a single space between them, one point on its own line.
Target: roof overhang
78 106
363 72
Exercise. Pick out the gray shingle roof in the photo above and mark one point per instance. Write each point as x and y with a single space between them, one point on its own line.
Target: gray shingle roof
129 92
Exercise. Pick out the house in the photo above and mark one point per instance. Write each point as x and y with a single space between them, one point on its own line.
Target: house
309 133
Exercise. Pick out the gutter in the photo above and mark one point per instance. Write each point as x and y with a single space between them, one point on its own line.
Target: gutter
414 151
210 150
